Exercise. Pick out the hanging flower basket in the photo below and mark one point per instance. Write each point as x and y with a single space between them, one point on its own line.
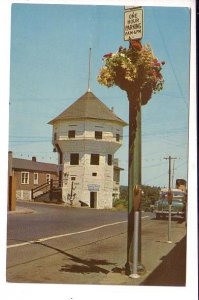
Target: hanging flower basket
133 68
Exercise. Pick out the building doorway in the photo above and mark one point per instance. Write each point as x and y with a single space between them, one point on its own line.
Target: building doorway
93 199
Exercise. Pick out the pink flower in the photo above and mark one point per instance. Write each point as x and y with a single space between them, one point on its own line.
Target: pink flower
159 76
157 64
136 45
108 55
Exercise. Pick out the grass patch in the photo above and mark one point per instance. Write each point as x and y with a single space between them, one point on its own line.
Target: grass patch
120 204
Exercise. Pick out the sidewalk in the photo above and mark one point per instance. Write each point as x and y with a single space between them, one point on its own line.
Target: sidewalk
166 268
24 210
165 263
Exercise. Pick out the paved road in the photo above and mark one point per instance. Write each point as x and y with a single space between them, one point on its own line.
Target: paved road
66 245
50 220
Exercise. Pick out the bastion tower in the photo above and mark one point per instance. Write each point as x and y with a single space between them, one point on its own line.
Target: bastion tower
86 136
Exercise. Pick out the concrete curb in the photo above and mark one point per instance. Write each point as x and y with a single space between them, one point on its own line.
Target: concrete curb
21 211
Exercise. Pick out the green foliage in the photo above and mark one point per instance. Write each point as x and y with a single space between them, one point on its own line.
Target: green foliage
124 192
149 196
120 204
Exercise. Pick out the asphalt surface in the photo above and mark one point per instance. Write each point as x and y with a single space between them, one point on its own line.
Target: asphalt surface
100 258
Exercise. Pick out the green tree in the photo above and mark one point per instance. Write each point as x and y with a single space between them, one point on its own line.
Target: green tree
150 195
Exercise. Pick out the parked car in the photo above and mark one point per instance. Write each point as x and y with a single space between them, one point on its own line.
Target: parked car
178 205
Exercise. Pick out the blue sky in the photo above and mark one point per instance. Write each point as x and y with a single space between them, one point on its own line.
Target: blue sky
49 71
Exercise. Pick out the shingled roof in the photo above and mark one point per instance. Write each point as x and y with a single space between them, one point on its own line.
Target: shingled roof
88 106
25 164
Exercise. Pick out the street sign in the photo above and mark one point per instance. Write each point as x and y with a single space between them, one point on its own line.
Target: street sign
133 23
93 187
128 7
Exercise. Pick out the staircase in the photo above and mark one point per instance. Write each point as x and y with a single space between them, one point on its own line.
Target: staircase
50 192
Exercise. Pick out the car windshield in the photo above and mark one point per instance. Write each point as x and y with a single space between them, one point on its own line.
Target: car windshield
176 194
165 201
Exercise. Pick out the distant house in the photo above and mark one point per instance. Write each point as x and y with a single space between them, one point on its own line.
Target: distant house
29 174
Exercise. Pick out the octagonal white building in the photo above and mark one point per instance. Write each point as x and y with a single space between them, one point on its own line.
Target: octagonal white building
86 136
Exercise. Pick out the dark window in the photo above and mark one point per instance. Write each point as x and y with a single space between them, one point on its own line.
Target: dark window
74 158
73 178
94 174
94 159
117 137
116 176
71 134
98 135
109 159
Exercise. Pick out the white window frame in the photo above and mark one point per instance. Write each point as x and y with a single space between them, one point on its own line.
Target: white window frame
24 177
36 178
48 178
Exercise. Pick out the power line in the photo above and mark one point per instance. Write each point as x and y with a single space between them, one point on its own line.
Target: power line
168 54
156 177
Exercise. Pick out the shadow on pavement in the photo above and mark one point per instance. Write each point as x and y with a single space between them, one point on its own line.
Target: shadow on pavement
172 270
81 265
85 266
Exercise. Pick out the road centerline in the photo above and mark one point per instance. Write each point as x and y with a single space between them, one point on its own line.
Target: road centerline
67 234
63 235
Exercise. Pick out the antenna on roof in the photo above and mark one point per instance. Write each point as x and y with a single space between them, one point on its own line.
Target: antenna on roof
89 70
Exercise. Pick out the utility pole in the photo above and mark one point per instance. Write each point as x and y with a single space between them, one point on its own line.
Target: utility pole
169 158
173 173
169 198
